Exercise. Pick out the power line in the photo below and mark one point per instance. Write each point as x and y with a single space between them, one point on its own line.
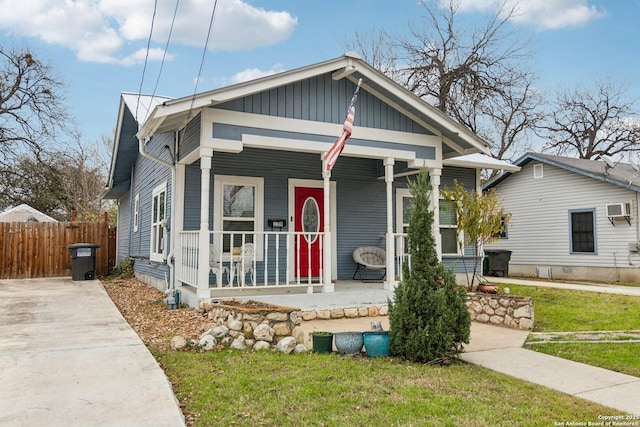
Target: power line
204 52
146 58
164 55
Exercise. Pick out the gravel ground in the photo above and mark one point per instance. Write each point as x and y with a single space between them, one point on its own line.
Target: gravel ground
142 307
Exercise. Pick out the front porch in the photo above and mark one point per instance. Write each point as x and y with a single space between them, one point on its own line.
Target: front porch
347 293
269 266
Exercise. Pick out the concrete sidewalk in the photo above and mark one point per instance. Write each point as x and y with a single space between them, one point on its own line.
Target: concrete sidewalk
500 349
581 286
68 358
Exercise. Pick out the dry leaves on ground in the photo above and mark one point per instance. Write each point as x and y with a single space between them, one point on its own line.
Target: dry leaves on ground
142 307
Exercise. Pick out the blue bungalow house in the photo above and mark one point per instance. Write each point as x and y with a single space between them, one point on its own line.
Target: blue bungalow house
226 189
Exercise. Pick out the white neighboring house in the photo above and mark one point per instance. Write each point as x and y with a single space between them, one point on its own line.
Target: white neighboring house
571 219
24 213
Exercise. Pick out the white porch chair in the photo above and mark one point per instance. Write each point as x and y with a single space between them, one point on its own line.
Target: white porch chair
217 267
244 265
370 258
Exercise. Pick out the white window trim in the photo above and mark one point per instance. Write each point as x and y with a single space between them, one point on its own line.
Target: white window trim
401 194
136 213
219 182
155 256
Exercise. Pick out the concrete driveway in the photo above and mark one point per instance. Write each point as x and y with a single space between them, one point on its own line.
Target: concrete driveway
68 358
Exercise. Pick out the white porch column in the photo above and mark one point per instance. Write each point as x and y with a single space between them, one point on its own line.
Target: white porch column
434 176
203 242
326 263
390 279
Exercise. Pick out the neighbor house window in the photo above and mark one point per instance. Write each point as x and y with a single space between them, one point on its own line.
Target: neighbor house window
502 234
136 213
448 228
239 211
582 231
538 172
158 220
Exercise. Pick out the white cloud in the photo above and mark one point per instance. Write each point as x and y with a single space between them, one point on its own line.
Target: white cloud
102 30
254 73
544 15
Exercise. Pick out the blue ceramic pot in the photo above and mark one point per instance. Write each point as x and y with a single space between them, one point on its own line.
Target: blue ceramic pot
348 342
376 343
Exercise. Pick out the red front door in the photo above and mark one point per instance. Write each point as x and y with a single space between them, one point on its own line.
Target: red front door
309 219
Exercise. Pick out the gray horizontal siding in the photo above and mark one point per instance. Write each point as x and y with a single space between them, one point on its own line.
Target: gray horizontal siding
148 175
124 227
467 178
539 229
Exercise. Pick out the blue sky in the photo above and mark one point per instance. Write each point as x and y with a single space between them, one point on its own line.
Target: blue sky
98 47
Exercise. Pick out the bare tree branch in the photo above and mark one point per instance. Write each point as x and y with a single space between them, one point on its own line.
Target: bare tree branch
593 123
477 77
32 111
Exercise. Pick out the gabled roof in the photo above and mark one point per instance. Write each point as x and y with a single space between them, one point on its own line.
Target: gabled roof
24 213
621 174
134 110
172 115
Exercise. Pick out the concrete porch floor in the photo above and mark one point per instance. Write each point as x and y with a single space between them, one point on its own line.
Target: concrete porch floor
347 293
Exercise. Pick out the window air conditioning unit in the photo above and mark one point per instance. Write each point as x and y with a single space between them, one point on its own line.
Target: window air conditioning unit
618 210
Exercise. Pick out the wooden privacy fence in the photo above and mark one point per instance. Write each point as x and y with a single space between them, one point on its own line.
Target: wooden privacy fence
41 249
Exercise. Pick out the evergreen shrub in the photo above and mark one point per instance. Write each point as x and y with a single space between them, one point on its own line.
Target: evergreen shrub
428 317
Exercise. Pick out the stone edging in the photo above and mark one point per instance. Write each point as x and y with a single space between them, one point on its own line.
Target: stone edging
503 310
348 313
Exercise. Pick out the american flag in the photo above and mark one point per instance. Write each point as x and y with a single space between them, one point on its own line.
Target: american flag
332 155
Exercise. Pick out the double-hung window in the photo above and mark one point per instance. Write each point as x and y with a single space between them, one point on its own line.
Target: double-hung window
239 211
158 221
448 228
582 231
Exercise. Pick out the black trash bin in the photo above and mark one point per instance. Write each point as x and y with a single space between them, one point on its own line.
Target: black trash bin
498 261
83 261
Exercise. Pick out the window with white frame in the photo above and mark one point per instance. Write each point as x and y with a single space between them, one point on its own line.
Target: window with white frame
158 222
239 211
448 228
136 213
449 236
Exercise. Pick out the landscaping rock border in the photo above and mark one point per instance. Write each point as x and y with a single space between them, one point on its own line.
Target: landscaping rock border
241 324
503 310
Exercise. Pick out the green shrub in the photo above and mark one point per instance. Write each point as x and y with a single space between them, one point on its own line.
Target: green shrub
428 318
124 270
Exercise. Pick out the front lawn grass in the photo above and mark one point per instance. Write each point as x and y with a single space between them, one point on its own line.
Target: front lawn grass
231 387
617 357
562 310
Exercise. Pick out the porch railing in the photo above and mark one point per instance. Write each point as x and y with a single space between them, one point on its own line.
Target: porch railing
263 259
402 254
